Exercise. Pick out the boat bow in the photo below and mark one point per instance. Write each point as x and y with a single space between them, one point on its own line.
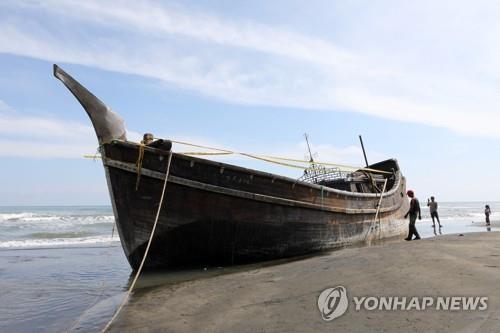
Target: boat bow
107 124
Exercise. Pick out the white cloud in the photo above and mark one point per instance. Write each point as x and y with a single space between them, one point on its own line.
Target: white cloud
16 125
36 149
252 63
43 137
153 19
40 137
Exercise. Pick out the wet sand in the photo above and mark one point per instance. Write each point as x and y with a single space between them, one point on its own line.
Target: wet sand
283 298
60 289
493 224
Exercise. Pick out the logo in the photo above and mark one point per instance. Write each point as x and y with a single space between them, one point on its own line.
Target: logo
333 303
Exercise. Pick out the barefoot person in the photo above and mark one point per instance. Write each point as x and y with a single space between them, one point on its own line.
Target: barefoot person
413 212
433 208
487 213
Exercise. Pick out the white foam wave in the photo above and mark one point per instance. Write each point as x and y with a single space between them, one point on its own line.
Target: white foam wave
14 216
57 242
475 217
28 219
80 219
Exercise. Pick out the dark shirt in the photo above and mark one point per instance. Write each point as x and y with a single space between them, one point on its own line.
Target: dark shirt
414 207
161 144
487 212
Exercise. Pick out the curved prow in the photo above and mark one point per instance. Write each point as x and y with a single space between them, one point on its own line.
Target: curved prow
107 124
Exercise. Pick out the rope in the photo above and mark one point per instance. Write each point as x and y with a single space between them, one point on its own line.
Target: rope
127 296
94 157
372 181
322 196
201 153
101 292
200 146
274 159
96 300
340 166
271 159
378 209
138 164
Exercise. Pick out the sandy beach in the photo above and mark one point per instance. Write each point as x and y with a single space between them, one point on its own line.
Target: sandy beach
283 298
249 166
60 270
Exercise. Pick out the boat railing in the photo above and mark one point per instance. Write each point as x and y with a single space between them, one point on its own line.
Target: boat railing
318 173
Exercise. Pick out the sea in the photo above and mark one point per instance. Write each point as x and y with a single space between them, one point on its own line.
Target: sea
62 269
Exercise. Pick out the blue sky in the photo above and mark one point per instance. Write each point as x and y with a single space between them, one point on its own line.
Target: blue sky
418 80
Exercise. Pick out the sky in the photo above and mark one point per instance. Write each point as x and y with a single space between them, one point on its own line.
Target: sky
418 80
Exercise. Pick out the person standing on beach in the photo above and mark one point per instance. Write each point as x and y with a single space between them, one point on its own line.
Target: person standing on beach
487 213
413 212
433 208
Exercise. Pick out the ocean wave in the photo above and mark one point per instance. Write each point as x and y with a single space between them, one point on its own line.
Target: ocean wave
461 217
14 216
451 206
47 219
56 235
57 242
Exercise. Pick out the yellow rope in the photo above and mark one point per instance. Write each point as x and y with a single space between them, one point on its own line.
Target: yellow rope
341 166
138 164
271 161
201 153
377 213
200 146
274 159
266 158
92 156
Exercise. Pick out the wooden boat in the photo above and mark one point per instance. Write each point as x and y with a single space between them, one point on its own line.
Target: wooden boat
217 213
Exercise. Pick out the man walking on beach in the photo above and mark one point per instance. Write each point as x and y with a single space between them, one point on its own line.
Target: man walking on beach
413 212
433 208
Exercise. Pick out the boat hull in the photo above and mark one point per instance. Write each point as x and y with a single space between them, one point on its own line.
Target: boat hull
215 213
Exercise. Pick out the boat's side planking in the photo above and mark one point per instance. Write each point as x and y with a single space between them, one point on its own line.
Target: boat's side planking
238 215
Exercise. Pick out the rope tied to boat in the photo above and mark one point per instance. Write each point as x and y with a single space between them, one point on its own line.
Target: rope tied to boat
322 197
379 204
138 164
283 161
272 159
139 270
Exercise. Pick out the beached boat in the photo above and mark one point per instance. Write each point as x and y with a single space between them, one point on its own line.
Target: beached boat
217 213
